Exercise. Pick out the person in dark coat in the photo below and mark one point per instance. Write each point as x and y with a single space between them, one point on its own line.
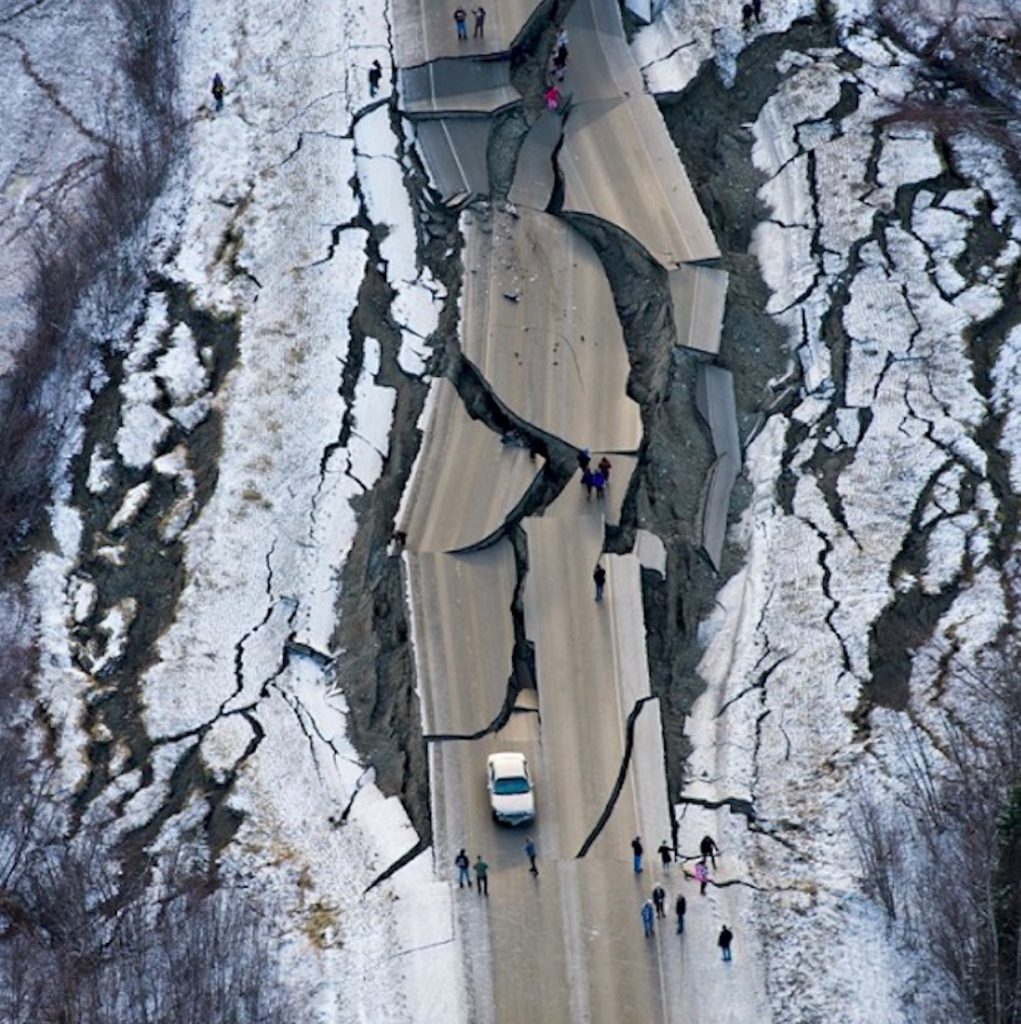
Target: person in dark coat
637 851
586 482
599 576
375 76
482 875
665 854
708 848
747 12
463 875
659 900
461 23
724 941
680 907
531 853
480 22
218 90
757 9
604 467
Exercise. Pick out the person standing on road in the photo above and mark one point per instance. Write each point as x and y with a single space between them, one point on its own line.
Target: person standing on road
665 854
659 899
599 577
463 875
482 875
531 853
724 941
461 21
599 483
637 850
480 22
375 76
680 907
708 848
218 90
701 876
647 917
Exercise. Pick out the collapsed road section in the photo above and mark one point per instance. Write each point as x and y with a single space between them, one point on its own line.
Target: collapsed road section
541 332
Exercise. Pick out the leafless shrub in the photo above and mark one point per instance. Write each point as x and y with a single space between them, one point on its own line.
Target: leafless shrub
975 47
71 949
877 843
963 820
149 54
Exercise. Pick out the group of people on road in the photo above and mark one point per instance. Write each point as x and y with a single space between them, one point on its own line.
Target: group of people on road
654 908
481 868
464 877
556 71
461 23
594 479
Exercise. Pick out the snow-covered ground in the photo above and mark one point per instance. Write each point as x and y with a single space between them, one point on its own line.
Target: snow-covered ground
262 240
889 516
246 421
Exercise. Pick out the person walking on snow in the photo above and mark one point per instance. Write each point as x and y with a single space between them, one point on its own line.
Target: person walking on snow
647 917
463 875
680 907
701 876
375 75
599 576
218 90
637 850
461 21
665 854
531 853
746 16
659 899
724 941
757 10
584 458
480 22
482 875
708 848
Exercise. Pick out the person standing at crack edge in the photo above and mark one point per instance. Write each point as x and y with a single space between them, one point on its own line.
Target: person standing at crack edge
461 21
375 76
218 90
482 876
708 849
480 22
